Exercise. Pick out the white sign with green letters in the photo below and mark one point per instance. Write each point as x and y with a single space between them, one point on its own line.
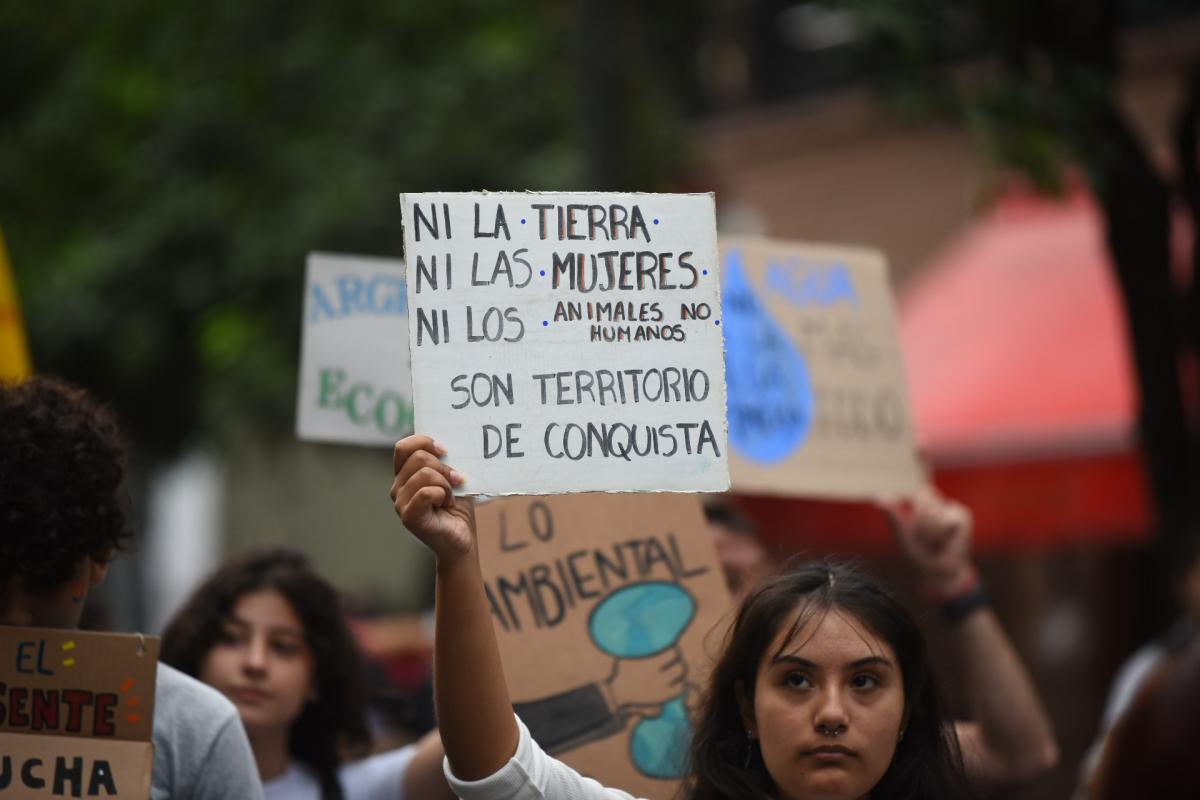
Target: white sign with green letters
355 384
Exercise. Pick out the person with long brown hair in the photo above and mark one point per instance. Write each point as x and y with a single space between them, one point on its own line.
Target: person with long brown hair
823 690
269 633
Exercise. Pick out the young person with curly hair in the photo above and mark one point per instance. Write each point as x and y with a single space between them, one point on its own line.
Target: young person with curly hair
268 633
63 516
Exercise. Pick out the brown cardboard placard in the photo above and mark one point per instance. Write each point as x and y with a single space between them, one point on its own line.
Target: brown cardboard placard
592 595
62 682
33 767
76 712
818 405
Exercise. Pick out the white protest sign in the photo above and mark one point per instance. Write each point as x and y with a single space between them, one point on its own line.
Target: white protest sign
566 342
354 377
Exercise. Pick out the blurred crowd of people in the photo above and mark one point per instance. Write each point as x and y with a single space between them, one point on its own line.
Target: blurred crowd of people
267 687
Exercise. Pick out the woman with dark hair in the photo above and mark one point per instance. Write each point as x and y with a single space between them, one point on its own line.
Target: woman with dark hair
818 624
824 689
269 634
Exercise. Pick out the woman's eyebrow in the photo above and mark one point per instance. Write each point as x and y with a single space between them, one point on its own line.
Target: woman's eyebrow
286 631
872 661
274 629
869 661
784 658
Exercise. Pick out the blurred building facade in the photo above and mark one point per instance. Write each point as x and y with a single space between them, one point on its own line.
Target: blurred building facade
803 151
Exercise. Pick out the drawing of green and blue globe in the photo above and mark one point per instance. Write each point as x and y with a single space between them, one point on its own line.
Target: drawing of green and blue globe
639 621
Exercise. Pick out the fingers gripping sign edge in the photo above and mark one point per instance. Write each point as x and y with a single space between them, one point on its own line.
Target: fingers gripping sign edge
409 445
414 454
422 483
423 497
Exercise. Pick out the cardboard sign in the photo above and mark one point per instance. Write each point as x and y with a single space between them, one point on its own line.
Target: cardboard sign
817 400
57 766
354 379
568 342
609 612
76 713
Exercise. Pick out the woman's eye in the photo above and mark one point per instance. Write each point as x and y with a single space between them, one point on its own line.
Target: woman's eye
797 680
864 681
286 648
228 637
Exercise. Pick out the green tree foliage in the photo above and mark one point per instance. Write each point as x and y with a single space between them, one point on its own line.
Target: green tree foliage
165 167
1026 77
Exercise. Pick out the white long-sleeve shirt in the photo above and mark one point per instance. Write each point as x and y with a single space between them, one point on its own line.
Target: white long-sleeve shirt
531 774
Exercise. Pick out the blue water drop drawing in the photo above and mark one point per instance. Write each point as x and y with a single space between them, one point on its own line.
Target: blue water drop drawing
770 394
639 621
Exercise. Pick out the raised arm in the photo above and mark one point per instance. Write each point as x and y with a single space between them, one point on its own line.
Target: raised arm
475 716
1011 738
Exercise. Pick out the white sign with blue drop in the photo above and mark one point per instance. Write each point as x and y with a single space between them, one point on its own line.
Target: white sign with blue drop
354 377
568 342
817 400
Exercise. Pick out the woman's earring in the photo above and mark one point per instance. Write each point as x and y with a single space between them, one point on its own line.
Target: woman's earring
901 735
749 748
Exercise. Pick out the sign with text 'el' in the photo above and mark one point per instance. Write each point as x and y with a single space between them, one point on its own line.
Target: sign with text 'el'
568 342
76 713
817 399
609 612
354 380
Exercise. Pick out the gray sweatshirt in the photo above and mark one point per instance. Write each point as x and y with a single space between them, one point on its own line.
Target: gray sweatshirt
200 747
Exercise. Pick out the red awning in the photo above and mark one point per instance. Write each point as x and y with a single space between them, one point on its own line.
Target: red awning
1022 389
1015 340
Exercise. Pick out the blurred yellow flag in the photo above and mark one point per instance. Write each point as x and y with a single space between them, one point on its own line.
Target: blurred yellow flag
14 351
